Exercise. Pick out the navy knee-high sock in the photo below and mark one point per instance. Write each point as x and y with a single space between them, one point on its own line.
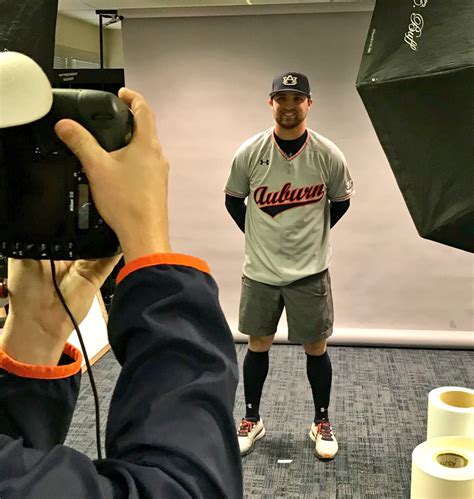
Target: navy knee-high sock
319 371
255 373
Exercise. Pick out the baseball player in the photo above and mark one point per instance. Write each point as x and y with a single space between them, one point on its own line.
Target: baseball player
298 186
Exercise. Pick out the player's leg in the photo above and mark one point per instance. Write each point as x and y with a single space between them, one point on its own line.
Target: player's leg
261 306
319 372
309 309
255 370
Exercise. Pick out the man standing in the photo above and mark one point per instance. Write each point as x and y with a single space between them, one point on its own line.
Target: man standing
298 186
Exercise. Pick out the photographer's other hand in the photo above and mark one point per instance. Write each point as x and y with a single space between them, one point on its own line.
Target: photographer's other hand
129 186
37 327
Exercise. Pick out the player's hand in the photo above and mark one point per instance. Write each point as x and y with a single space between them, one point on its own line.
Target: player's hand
129 186
38 326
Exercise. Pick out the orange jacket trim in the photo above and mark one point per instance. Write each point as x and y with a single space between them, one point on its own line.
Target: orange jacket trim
43 372
163 259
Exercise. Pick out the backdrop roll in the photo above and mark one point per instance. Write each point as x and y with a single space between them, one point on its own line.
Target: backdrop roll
416 79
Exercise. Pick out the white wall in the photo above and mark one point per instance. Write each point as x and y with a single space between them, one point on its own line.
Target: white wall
79 39
113 51
208 80
94 332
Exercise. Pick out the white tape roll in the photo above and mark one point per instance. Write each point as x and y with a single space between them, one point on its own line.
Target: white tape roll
450 412
443 468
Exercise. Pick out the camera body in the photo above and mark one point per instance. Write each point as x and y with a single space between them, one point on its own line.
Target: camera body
46 207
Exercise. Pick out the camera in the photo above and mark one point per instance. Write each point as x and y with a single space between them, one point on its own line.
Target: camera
46 206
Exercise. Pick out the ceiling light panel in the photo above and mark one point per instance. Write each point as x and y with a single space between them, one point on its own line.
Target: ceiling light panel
149 4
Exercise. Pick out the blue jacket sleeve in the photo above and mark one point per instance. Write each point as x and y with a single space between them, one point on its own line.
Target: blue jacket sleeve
170 431
26 404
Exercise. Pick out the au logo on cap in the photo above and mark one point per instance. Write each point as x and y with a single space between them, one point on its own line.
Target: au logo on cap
290 80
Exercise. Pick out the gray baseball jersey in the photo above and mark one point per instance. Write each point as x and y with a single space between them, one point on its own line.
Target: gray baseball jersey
287 221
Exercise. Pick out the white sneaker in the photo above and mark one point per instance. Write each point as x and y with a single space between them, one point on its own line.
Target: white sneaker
248 433
325 442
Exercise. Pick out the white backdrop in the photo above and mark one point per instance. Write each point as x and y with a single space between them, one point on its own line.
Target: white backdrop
208 80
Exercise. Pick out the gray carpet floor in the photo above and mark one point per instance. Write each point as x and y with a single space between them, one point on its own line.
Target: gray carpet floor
378 408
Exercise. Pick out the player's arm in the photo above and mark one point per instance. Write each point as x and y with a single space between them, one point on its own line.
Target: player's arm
237 209
340 186
237 188
337 210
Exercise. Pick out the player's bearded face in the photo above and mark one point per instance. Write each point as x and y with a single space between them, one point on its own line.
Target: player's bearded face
290 119
290 111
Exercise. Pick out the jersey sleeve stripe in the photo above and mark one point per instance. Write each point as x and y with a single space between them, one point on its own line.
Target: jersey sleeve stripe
343 198
235 194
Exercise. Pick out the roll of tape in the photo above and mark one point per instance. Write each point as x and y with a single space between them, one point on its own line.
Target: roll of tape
450 412
443 468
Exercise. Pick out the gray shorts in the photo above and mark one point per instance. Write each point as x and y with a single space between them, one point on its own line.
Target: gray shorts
308 305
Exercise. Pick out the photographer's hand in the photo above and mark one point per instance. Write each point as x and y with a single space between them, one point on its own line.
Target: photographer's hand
130 189
129 186
38 326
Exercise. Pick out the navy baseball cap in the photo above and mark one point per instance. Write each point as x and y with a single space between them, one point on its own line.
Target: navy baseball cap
291 82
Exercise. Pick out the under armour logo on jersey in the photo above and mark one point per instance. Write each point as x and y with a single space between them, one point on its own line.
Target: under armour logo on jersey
290 80
274 202
264 161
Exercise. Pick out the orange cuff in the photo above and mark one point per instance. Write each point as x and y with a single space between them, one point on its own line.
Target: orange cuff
43 372
163 259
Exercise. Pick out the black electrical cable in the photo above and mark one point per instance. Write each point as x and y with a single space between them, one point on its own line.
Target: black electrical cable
86 358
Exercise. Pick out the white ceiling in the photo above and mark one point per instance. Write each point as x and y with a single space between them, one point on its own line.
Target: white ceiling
85 9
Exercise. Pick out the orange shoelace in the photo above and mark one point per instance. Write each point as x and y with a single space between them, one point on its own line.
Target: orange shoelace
325 429
245 427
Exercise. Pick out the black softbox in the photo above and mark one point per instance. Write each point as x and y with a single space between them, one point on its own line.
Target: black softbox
416 80
29 27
